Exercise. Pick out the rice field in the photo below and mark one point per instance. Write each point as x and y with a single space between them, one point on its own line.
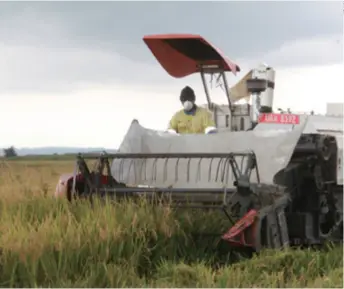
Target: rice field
49 243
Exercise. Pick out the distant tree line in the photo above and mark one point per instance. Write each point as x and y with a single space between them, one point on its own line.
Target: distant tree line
10 152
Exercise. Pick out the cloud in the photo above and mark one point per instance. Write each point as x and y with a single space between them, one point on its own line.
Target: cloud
77 74
99 115
51 47
313 51
46 70
304 52
241 28
309 88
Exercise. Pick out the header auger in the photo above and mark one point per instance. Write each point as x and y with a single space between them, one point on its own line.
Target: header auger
221 167
277 177
240 197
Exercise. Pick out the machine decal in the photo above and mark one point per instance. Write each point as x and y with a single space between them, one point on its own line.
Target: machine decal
279 118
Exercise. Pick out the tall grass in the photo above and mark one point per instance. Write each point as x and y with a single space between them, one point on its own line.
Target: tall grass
49 243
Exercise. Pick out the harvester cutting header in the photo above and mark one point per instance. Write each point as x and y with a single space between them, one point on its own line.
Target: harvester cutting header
278 178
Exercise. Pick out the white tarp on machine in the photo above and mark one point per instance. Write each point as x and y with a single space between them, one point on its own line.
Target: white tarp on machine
273 150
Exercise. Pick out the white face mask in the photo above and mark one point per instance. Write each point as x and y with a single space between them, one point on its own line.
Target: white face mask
188 105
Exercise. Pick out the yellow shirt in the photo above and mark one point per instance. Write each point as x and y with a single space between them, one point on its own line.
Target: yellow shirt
186 124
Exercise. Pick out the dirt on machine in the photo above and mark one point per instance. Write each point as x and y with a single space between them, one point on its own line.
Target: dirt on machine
277 177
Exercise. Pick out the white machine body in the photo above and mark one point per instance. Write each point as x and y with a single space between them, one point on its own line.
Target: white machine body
243 114
266 73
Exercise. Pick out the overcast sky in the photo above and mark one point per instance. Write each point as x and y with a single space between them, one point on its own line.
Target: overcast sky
72 71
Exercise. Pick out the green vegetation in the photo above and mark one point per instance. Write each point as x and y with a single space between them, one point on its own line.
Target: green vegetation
38 158
49 243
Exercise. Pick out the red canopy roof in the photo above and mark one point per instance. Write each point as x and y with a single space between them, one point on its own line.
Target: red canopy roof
182 54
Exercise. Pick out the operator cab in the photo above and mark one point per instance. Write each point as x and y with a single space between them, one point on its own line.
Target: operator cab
184 54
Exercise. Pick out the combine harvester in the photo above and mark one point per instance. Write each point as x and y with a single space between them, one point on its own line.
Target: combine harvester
278 177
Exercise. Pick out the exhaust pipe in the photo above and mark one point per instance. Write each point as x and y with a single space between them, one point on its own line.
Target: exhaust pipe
261 86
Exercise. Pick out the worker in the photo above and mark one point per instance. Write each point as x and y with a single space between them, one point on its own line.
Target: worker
192 118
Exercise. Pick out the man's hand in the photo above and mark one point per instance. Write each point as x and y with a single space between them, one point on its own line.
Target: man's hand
172 131
210 130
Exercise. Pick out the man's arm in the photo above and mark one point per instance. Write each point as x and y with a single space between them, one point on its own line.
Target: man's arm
173 124
209 123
